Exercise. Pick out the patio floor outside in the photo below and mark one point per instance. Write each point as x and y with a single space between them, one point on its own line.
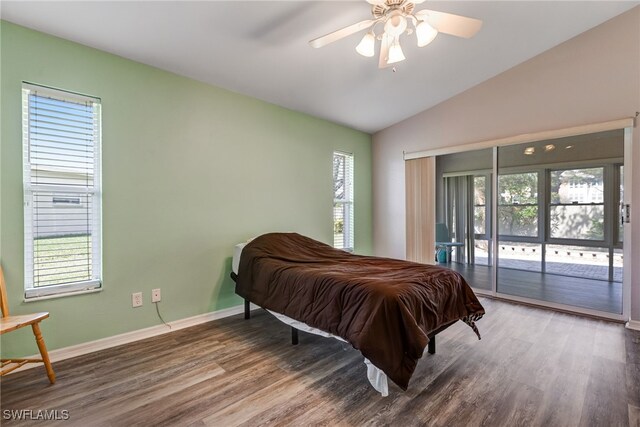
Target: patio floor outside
575 276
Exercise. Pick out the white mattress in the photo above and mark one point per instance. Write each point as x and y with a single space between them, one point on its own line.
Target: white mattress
237 251
377 378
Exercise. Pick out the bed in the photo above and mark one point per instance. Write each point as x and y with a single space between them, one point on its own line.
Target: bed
388 309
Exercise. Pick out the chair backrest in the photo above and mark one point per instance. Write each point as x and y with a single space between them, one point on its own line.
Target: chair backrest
442 233
3 295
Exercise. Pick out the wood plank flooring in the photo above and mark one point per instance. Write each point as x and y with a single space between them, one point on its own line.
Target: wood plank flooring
575 291
532 367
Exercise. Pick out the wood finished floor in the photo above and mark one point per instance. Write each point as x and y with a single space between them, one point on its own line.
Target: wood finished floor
575 291
533 367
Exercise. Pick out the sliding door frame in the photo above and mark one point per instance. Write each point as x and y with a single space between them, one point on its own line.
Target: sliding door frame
627 125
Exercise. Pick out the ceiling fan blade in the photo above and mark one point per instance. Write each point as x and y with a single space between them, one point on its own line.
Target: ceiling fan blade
384 51
341 33
448 23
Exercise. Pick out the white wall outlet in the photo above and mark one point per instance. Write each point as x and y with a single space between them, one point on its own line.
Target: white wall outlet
136 299
155 295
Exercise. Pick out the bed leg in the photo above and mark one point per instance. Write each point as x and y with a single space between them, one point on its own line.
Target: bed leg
294 336
247 310
431 347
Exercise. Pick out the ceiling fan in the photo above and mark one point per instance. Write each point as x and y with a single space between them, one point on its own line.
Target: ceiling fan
394 16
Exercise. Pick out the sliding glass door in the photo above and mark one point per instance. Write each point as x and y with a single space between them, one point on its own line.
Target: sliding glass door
558 233
538 222
464 215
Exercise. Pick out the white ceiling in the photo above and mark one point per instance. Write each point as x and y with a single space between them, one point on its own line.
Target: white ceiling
260 48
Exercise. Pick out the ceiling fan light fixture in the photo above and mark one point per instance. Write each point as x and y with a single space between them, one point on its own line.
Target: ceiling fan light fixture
367 45
425 33
395 53
394 16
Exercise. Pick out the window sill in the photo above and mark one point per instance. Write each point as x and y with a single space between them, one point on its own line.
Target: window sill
62 295
52 292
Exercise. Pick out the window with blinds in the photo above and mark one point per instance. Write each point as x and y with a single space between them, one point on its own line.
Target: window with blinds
343 230
62 197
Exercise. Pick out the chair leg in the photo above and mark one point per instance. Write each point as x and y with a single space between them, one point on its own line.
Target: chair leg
43 352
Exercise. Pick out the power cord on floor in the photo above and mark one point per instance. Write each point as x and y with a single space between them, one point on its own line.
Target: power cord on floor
160 316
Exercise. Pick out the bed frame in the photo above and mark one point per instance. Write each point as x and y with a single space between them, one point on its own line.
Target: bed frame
431 346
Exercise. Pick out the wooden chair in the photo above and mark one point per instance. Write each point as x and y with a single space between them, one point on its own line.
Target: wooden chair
11 323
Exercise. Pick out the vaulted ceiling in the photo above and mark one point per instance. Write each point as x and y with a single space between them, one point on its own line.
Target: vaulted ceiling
261 48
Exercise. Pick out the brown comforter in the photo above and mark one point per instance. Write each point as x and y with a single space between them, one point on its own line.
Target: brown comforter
385 308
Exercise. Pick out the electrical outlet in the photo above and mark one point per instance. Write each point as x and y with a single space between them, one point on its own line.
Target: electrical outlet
136 299
155 295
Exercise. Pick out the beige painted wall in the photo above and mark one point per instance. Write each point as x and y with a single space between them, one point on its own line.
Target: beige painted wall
592 78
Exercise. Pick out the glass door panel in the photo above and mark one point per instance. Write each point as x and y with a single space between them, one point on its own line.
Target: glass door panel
559 238
463 215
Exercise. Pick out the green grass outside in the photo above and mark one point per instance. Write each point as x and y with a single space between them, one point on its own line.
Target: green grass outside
59 260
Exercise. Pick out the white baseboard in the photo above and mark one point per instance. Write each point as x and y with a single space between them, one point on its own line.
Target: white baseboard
633 324
129 337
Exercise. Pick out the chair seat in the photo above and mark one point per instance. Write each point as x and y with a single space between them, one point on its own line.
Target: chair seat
449 244
11 323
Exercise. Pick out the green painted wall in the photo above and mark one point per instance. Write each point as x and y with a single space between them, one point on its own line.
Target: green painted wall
189 170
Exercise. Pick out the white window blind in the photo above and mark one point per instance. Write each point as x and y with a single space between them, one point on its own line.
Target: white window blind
343 217
62 196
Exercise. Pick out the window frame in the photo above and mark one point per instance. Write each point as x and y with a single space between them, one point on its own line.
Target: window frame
618 194
348 240
487 196
606 184
92 192
538 205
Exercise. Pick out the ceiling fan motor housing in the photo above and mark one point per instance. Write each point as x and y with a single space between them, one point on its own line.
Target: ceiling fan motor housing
381 10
